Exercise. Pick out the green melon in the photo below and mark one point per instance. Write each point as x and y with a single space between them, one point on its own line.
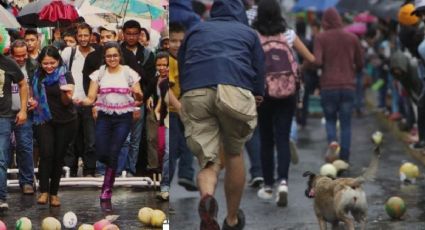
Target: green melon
395 207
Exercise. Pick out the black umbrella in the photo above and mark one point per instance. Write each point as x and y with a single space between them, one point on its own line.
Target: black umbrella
387 9
47 13
355 5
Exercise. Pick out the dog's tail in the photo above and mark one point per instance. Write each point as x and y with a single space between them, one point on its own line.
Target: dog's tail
370 173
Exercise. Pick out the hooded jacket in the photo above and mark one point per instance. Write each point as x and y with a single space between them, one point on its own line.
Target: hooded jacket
222 50
409 75
338 52
181 11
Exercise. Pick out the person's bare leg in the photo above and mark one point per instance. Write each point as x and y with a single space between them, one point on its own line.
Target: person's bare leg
207 179
234 182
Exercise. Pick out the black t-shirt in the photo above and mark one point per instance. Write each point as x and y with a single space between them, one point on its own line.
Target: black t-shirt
60 113
9 72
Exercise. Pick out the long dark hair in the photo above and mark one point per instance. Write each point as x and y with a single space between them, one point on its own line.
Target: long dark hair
269 20
50 51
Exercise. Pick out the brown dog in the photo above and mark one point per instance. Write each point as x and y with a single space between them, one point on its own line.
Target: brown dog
336 199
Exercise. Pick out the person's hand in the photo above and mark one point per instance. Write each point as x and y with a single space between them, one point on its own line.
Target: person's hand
258 100
149 104
94 113
32 104
138 103
21 117
157 115
137 114
77 101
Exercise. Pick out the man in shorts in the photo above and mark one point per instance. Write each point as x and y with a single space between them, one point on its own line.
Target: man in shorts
222 77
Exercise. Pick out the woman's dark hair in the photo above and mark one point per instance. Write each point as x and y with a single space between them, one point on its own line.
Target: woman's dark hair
110 45
161 54
269 20
50 51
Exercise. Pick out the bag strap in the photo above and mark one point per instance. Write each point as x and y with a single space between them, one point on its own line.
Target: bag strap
71 58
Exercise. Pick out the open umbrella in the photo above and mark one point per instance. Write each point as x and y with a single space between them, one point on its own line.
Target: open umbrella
387 9
7 19
314 5
355 5
47 13
150 9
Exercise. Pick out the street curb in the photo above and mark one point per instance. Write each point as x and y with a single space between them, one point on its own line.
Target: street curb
392 126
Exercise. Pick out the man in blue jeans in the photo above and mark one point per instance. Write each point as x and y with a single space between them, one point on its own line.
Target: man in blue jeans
339 54
9 72
23 133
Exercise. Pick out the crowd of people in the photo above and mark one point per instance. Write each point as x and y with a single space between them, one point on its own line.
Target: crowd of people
92 100
228 75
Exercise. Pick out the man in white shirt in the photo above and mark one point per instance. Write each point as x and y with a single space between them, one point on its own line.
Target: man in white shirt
83 145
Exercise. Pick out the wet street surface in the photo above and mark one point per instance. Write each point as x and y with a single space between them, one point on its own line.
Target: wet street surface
299 213
84 202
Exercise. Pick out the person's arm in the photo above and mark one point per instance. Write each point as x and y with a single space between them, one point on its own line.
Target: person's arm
21 117
137 93
259 67
158 109
91 96
174 101
318 52
302 50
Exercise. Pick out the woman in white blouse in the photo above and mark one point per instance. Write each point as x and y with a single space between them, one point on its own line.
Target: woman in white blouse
115 92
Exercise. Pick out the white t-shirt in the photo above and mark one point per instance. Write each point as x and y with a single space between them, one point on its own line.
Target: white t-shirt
16 99
77 70
114 95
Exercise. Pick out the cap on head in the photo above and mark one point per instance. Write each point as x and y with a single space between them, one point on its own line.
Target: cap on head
405 16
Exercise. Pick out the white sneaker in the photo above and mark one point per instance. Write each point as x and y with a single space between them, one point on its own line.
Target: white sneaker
282 194
265 193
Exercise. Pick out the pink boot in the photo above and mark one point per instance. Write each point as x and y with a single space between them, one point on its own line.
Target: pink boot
108 183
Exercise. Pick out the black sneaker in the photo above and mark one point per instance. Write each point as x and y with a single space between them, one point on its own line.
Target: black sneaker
239 226
256 182
208 209
189 185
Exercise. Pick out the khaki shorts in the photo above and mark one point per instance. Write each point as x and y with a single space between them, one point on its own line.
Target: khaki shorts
207 127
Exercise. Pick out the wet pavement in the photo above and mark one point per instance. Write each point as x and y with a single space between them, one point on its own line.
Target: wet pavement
299 214
84 202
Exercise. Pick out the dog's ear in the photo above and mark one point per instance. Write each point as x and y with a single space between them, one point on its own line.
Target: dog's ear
308 173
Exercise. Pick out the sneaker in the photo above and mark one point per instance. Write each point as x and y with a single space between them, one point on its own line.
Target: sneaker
239 226
163 196
265 193
256 182
189 185
27 189
3 205
294 152
208 209
282 194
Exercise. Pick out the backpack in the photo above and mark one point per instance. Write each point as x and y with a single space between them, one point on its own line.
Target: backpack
71 57
282 77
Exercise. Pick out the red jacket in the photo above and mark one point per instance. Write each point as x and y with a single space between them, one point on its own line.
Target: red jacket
338 52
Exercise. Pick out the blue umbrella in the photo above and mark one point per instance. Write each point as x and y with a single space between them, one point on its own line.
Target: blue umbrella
314 5
132 8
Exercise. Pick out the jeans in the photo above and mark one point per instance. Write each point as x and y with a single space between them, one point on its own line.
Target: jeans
165 182
253 148
359 99
293 135
275 118
111 133
338 104
135 138
53 139
24 151
178 149
83 144
5 131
